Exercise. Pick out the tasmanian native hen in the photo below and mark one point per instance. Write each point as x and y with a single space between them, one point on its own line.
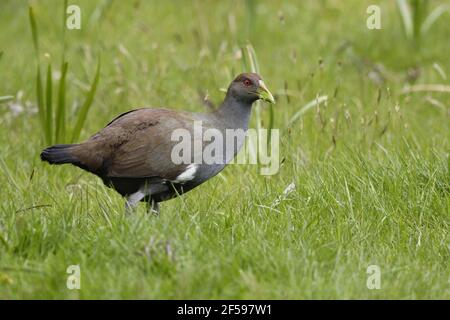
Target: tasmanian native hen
136 153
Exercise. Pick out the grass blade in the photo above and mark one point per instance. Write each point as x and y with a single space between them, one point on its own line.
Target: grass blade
440 71
426 88
34 31
270 125
100 10
306 107
419 12
9 175
405 13
61 108
250 61
6 98
63 31
86 106
251 64
252 58
250 6
49 107
433 16
40 98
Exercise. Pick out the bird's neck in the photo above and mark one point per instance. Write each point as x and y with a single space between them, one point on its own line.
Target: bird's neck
234 114
232 118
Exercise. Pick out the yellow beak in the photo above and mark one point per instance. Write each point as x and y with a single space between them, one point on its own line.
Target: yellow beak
264 93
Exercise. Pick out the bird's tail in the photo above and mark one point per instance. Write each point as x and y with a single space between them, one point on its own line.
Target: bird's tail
59 154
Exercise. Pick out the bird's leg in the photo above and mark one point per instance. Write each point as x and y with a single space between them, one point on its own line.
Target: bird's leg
152 206
133 200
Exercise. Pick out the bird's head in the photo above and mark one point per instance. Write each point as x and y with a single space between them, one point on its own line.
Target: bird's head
249 87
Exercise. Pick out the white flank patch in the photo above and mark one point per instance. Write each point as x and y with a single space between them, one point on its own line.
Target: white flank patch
187 175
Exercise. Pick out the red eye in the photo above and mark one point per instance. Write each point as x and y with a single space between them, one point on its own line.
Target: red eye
247 83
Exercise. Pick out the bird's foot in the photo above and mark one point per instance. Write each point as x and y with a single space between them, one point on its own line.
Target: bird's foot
153 207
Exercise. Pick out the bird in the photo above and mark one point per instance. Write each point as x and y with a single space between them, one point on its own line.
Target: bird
134 153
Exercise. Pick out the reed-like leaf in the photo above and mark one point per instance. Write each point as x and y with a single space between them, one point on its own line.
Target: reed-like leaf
49 106
307 107
406 15
419 12
9 175
250 6
426 88
63 31
252 62
40 98
34 31
433 16
86 106
60 118
270 125
252 58
6 98
100 10
440 71
53 114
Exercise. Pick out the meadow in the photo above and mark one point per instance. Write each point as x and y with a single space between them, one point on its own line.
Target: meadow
370 163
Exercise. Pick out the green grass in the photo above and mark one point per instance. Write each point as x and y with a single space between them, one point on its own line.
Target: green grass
51 120
370 164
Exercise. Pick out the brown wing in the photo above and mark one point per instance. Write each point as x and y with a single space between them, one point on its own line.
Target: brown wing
136 144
